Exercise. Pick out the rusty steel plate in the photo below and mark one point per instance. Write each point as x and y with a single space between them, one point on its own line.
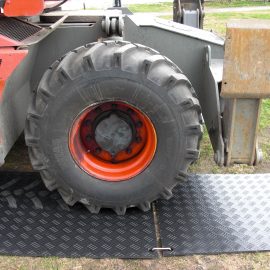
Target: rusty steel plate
246 61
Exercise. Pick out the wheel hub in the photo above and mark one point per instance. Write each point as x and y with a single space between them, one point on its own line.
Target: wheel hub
113 134
112 141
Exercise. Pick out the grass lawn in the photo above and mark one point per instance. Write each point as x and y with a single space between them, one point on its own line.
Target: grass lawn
159 7
217 21
254 261
167 7
235 3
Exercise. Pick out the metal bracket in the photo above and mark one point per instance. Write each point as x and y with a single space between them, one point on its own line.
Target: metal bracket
113 26
161 249
188 12
117 3
210 102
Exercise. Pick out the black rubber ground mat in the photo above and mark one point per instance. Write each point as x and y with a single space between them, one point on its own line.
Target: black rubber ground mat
217 214
36 222
208 214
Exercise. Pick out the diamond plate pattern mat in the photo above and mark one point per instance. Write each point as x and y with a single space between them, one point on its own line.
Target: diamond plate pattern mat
36 222
217 214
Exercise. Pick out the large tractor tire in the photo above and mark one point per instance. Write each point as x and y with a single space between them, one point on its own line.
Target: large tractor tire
113 125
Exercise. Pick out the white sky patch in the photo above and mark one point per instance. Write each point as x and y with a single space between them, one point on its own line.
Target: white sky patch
103 4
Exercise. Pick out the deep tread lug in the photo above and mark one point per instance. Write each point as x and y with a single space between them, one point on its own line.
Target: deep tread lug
67 196
181 176
152 60
176 78
88 63
93 209
90 45
120 210
54 65
50 184
194 130
78 50
44 94
140 46
122 42
175 67
191 104
87 58
63 75
33 115
193 92
109 42
192 154
31 141
166 194
39 166
121 52
36 158
145 206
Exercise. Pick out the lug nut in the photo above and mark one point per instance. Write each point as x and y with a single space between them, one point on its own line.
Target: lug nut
139 124
98 110
128 150
87 122
130 111
98 150
138 139
114 105
88 137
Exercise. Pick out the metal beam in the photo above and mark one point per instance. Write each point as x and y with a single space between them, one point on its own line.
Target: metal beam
200 56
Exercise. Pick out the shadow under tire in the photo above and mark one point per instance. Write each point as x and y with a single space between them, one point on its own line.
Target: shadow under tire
120 74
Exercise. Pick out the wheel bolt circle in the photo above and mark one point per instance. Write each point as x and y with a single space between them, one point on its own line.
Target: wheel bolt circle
98 110
88 137
123 149
98 150
130 111
87 122
128 150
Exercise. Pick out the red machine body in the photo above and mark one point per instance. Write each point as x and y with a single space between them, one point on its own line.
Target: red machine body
15 8
10 57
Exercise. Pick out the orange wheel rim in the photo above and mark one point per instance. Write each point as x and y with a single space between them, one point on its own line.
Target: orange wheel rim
97 125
